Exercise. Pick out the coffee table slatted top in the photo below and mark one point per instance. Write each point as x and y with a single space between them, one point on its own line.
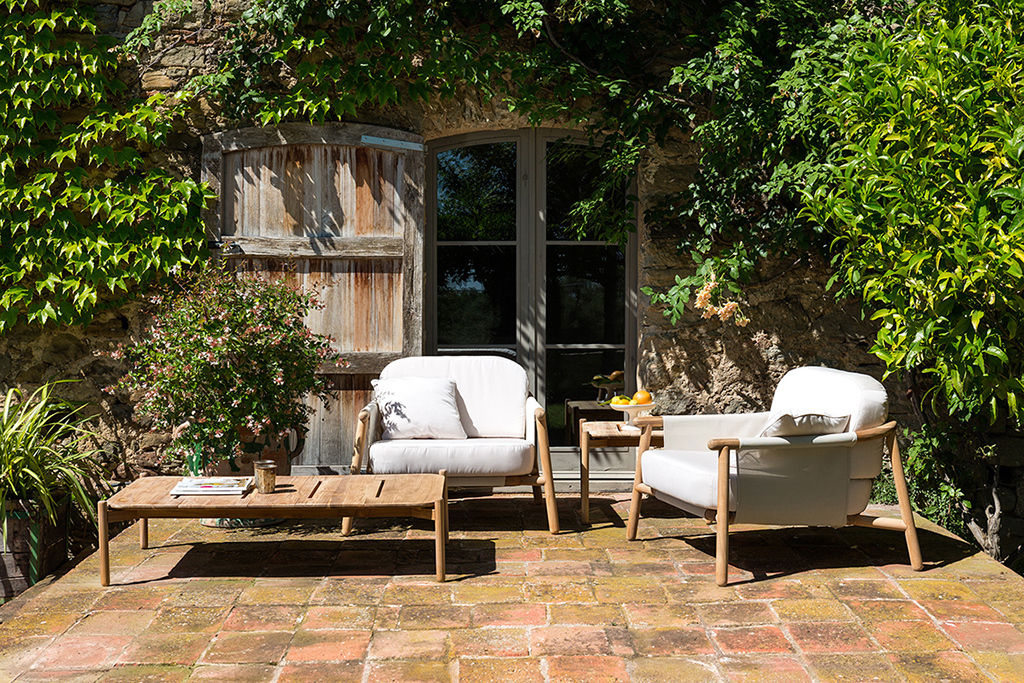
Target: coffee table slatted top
311 494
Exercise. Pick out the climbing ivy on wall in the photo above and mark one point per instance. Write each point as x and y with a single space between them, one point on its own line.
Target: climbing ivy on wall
84 216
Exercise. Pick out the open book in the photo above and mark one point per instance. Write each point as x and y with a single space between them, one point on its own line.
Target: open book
212 486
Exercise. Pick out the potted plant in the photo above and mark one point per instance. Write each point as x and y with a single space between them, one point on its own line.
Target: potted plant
44 465
226 364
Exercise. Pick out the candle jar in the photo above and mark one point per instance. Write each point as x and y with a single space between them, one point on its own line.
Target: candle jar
266 475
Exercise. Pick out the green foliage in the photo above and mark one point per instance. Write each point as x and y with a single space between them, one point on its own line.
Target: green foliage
42 451
84 217
926 200
760 72
226 356
934 465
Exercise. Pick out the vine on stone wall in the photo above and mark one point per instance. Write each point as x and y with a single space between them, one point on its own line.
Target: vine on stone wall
84 217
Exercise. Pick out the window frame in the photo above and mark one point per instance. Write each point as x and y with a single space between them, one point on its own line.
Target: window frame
531 254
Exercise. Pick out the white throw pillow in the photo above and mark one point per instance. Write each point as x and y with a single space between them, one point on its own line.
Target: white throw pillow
418 408
805 425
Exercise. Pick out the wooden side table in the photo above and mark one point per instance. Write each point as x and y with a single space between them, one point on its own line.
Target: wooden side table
605 435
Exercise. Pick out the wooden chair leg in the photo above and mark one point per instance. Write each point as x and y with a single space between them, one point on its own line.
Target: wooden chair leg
143 533
104 542
722 520
906 511
634 514
544 453
538 493
634 504
362 431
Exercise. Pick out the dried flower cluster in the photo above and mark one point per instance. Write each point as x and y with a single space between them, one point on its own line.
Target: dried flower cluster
708 294
225 355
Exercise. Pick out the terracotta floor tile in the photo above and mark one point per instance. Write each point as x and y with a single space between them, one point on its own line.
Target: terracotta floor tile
587 668
764 668
501 614
321 672
82 652
433 616
338 617
909 636
494 669
736 614
811 609
887 610
166 648
1003 666
676 641
830 637
864 666
672 669
489 642
251 647
937 666
407 672
961 610
568 640
751 639
328 645
986 636
233 673
409 645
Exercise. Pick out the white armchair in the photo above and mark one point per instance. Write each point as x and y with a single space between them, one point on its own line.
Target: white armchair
765 468
506 430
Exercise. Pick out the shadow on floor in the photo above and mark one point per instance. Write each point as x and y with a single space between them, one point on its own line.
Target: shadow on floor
777 552
334 559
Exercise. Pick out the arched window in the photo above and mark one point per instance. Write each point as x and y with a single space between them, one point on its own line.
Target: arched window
505 274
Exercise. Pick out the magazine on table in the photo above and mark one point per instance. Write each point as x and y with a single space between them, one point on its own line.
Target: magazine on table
212 486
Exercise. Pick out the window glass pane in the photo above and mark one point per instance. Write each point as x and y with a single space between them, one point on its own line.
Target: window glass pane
476 192
586 295
476 300
568 376
573 173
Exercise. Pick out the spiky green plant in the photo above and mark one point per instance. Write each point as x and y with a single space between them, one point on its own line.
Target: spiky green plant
42 451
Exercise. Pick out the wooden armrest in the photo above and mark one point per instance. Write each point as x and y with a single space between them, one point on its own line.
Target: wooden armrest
875 432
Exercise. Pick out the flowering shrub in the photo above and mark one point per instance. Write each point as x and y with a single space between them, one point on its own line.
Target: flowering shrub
225 357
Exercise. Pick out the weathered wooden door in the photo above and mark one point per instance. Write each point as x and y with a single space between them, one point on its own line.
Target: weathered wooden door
339 208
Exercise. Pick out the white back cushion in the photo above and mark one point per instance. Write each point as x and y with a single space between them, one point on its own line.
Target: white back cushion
418 408
490 391
827 391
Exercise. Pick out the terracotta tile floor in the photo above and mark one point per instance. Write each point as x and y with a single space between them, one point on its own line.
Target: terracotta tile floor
298 602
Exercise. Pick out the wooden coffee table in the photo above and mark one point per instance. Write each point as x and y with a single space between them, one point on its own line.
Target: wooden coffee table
313 497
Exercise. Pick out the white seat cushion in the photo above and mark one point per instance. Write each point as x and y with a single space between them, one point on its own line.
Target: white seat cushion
461 457
490 390
687 479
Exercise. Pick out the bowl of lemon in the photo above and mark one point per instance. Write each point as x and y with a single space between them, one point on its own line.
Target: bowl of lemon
640 402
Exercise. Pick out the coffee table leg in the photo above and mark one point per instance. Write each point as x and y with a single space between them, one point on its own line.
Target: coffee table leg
440 532
101 510
584 473
143 533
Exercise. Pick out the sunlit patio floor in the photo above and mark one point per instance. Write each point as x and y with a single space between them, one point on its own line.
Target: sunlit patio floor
299 602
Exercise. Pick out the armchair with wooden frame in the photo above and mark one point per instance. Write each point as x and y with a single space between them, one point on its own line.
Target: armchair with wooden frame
832 435
507 432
